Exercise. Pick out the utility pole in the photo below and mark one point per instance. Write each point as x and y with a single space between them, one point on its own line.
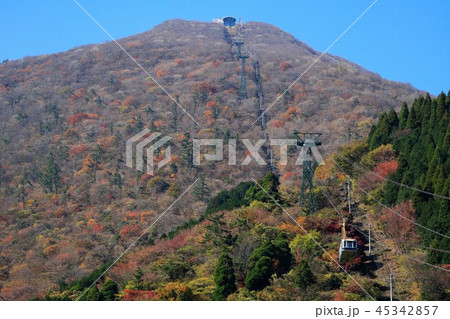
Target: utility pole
349 198
391 276
370 246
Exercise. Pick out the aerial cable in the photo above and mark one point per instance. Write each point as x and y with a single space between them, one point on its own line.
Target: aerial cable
390 180
378 241
388 208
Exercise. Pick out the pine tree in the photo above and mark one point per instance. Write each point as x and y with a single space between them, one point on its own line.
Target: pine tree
50 177
224 277
217 234
440 108
403 117
201 191
381 134
117 179
413 121
138 282
392 120
186 145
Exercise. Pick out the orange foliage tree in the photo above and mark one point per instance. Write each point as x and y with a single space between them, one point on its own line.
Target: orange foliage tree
130 231
285 65
130 101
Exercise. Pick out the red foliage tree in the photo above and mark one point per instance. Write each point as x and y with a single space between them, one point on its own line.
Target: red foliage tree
289 175
130 231
139 295
204 86
339 296
278 123
78 149
386 168
77 118
401 230
80 117
158 123
160 73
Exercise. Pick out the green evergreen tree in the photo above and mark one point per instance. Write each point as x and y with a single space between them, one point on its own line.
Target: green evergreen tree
217 233
403 117
93 294
50 176
381 134
201 191
186 145
259 274
224 278
282 254
138 282
270 185
303 275
392 120
109 290
117 180
413 121
440 105
278 252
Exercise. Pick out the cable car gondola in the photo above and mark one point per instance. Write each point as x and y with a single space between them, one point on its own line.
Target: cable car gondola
347 250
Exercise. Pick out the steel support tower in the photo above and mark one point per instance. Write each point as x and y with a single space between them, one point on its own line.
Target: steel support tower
243 56
308 141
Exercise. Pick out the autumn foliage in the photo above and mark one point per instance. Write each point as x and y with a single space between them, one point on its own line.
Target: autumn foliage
138 295
130 101
80 117
130 231
285 66
386 168
401 229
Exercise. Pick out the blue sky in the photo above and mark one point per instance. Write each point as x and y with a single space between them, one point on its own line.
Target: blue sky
402 40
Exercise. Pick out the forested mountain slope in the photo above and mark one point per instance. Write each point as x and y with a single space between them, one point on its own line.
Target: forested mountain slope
69 204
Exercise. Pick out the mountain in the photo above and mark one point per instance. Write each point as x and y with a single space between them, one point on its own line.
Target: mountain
68 201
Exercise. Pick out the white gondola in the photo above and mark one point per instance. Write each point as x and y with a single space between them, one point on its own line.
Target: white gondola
347 250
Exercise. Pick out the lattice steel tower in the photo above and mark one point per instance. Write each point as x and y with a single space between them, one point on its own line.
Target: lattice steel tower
243 55
308 141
